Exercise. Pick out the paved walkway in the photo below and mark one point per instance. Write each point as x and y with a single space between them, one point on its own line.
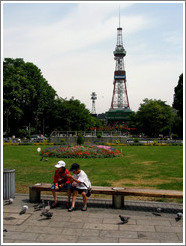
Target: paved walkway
99 224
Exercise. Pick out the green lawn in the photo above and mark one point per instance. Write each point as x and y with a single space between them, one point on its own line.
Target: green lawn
140 166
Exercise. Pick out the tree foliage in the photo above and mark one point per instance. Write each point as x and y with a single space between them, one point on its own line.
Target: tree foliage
178 96
154 117
71 115
27 96
30 103
178 106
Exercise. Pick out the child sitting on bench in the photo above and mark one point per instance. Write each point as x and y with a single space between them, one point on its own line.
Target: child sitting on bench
61 181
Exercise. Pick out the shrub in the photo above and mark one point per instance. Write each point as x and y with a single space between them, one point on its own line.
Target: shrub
136 140
44 141
7 144
98 135
80 140
174 136
63 142
155 143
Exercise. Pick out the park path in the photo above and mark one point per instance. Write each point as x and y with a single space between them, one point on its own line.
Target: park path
99 224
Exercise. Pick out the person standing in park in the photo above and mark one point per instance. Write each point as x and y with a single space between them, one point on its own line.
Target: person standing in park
80 185
61 182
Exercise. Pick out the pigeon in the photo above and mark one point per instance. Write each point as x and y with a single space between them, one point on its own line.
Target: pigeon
47 208
178 216
39 206
157 214
47 214
124 219
10 201
23 210
159 210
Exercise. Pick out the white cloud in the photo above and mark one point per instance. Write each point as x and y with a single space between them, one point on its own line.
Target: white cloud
75 54
80 29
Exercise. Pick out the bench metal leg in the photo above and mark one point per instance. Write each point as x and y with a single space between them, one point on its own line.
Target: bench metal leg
34 195
118 201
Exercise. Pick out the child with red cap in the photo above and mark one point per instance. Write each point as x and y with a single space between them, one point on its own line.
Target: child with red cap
61 182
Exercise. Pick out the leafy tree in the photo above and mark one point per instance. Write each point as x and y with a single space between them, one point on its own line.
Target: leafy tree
24 96
178 97
177 128
71 115
154 117
178 106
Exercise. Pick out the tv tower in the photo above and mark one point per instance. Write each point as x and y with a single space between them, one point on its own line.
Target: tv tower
119 97
93 98
119 111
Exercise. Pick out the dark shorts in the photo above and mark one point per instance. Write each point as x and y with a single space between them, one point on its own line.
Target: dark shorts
80 191
66 187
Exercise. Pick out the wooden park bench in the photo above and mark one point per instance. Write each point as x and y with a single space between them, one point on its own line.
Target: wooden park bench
118 193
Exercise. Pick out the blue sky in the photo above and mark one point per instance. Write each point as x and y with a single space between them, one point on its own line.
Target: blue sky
73 43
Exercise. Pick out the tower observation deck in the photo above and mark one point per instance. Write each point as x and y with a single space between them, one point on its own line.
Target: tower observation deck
119 110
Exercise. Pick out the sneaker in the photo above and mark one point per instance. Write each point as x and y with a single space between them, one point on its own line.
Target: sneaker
71 209
84 208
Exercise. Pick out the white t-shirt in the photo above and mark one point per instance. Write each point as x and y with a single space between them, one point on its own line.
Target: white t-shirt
82 177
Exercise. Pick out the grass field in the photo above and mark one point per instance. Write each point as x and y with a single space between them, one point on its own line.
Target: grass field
158 167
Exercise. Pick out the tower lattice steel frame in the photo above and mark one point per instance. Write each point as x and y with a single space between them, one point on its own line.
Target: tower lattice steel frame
93 98
119 98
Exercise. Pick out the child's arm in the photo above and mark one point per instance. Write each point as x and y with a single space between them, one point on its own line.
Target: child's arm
72 178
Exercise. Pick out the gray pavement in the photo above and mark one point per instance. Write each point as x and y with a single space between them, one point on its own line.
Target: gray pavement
99 224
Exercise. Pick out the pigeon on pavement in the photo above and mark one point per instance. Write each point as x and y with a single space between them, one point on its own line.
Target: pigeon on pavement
178 216
39 206
124 219
47 214
23 210
47 208
159 210
10 201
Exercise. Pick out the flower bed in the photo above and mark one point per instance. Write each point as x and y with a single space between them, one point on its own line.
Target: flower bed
81 152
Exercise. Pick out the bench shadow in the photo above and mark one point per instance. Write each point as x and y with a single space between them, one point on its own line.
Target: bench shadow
129 205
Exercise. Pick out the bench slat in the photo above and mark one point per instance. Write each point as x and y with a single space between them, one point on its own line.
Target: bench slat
121 191
136 192
41 187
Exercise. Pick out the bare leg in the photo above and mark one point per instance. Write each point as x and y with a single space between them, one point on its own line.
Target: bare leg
84 199
54 193
74 196
69 195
